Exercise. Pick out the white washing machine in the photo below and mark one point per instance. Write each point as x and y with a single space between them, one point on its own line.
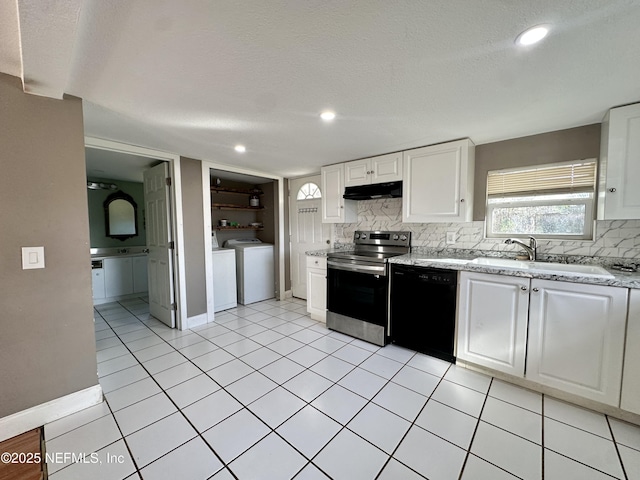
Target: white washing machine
255 271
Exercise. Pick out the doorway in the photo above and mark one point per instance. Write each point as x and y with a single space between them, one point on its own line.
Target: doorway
112 159
307 230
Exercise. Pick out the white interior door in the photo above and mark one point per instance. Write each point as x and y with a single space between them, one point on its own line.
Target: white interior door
307 230
160 243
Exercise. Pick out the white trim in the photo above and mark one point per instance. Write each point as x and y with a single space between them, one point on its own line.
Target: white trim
198 320
47 412
208 259
206 202
288 294
281 243
176 206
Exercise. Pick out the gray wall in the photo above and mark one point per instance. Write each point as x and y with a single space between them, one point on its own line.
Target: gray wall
47 340
559 146
193 218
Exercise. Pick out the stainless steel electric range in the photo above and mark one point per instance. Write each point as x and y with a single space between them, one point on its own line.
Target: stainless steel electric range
358 285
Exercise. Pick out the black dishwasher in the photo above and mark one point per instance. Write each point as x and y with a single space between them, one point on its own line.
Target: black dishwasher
423 309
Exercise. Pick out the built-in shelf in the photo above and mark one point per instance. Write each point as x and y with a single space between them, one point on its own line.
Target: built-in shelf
230 206
241 227
247 191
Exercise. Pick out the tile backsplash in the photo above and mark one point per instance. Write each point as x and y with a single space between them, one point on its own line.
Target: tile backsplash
613 238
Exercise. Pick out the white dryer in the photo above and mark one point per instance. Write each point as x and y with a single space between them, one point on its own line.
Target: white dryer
255 271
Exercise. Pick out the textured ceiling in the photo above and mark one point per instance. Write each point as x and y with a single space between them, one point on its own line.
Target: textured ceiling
197 77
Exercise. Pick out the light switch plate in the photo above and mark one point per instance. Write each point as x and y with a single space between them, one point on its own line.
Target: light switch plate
32 257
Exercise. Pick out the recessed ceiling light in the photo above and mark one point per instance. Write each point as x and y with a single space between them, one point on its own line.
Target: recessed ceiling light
240 148
532 35
327 116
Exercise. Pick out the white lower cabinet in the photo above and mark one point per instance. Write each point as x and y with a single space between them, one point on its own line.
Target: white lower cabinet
492 321
317 288
97 283
140 274
125 275
631 374
576 338
118 276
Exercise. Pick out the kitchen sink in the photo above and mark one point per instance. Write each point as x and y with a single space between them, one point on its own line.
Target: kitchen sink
502 263
545 267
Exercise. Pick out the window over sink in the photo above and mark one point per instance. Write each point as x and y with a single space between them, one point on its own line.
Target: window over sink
554 201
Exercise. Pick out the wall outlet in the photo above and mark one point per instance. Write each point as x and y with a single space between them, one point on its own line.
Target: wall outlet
451 238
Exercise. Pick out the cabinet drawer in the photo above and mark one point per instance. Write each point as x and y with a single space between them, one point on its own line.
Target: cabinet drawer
316 262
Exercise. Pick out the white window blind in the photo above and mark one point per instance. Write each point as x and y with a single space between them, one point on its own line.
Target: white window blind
570 177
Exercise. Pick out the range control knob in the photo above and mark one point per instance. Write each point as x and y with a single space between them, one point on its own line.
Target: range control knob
357 236
363 236
403 237
395 237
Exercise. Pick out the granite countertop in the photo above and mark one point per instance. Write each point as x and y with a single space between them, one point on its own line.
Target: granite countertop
101 253
325 252
620 279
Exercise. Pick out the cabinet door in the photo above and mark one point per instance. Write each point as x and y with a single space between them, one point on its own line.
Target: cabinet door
118 276
576 338
438 183
357 173
140 275
317 292
620 164
492 321
97 282
386 168
335 209
631 374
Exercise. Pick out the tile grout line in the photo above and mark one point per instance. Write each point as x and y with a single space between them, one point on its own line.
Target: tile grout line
198 434
613 437
305 368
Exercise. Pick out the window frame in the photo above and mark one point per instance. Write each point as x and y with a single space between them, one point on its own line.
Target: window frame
589 203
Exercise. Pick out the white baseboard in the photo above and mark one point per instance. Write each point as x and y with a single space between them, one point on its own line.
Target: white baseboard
195 321
44 413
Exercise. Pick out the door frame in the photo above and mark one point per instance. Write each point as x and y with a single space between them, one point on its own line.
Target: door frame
176 212
292 198
279 246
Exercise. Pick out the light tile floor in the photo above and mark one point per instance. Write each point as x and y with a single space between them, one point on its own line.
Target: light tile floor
266 392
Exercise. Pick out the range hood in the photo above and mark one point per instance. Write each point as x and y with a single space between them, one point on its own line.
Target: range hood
376 190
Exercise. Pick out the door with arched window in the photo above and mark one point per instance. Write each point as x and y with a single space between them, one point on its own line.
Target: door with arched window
307 230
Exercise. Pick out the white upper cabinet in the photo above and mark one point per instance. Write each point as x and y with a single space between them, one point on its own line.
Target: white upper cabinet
631 374
619 195
380 169
335 209
576 338
438 183
492 321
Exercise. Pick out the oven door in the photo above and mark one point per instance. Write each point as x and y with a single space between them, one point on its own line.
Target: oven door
358 291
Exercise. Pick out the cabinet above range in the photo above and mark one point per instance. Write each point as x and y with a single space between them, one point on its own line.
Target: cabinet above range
380 169
437 183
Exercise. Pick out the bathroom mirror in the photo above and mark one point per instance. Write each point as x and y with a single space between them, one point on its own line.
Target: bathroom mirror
121 216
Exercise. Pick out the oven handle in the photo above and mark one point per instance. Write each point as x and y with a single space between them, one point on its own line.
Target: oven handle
367 269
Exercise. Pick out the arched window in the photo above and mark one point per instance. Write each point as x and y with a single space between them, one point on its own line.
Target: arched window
309 191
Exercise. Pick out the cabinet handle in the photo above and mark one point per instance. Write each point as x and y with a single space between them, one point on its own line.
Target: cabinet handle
535 289
612 190
462 200
523 288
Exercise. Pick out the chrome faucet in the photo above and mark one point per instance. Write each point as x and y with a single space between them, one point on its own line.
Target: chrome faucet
530 249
